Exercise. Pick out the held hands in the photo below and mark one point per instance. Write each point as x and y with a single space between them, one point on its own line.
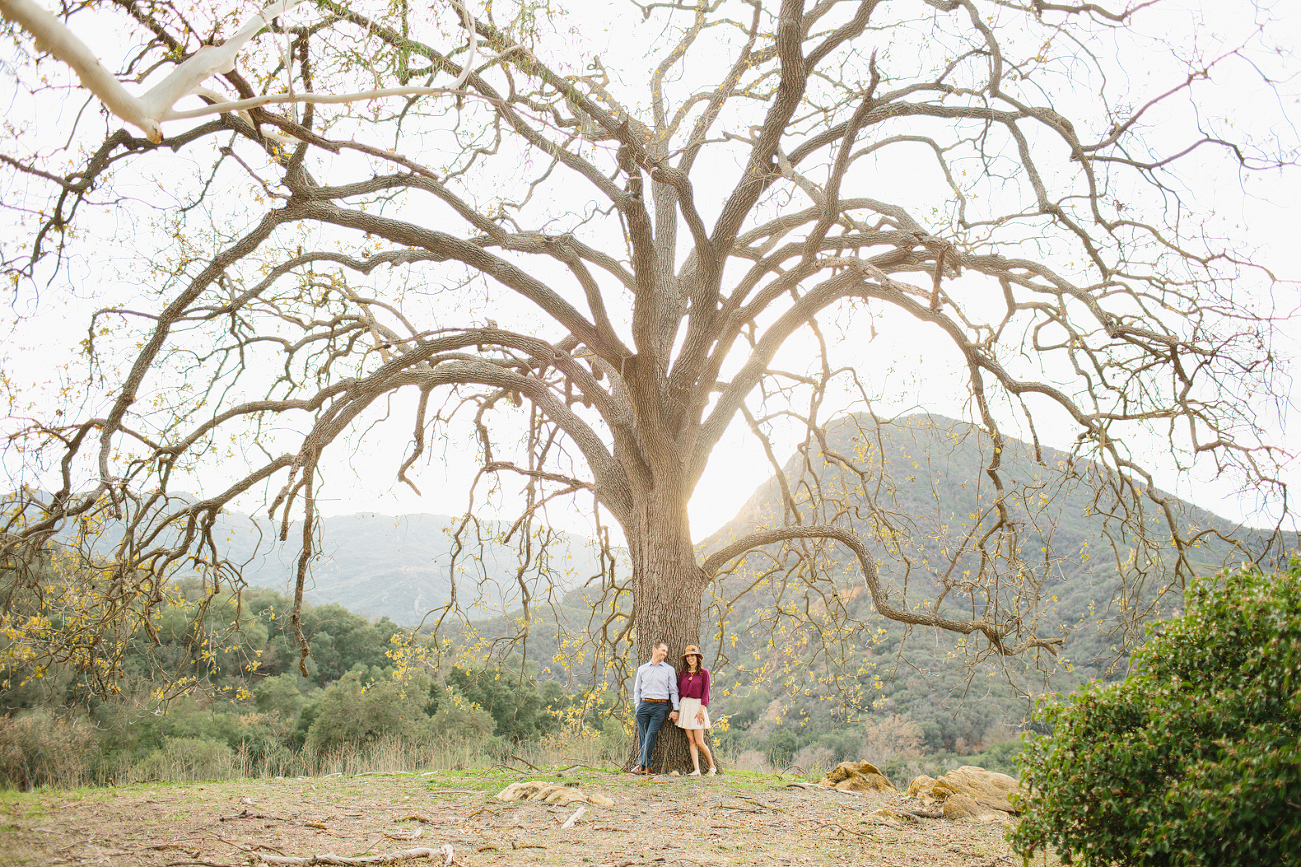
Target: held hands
673 715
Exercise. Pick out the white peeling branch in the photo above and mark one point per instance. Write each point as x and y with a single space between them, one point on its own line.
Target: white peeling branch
149 111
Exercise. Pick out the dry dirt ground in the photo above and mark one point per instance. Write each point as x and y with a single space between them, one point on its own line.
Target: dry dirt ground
739 818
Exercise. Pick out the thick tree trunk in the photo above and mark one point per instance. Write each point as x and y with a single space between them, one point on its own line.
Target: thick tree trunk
667 592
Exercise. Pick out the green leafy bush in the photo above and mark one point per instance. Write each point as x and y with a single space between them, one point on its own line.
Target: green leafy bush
523 708
781 748
351 713
1194 758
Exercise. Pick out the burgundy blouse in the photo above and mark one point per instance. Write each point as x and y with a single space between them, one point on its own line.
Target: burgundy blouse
694 686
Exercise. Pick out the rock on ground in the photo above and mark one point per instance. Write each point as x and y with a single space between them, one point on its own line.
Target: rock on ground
857 777
549 793
987 789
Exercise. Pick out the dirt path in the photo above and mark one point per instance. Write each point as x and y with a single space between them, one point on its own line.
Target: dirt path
740 818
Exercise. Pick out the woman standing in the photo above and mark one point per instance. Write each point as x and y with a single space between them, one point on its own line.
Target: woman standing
693 707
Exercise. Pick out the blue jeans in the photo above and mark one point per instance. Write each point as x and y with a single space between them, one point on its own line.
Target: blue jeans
650 716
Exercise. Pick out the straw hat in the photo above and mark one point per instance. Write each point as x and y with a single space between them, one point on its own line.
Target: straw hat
692 650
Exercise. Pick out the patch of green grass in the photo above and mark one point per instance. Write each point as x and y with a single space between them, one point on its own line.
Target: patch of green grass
481 779
38 801
24 805
495 779
754 781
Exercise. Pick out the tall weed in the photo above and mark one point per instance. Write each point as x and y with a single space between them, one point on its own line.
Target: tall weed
40 749
395 754
576 743
186 760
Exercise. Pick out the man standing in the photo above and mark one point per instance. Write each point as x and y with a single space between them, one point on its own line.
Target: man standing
655 695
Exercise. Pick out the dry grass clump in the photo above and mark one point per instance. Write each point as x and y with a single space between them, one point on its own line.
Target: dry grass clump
40 749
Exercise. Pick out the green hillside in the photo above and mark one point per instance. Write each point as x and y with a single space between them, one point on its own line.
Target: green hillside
928 491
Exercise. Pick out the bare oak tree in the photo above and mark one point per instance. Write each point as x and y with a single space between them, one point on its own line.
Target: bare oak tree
683 238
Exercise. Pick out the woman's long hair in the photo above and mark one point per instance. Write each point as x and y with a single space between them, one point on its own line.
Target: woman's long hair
686 664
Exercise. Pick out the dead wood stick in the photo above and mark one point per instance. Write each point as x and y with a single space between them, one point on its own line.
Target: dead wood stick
525 761
245 814
578 814
160 846
856 832
331 858
809 821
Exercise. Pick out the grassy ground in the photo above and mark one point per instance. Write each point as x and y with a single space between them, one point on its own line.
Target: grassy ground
740 818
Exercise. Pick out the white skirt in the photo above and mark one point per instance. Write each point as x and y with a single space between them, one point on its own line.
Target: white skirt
687 709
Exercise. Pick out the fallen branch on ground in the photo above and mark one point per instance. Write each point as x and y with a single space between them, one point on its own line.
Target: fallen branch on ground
331 858
578 814
245 814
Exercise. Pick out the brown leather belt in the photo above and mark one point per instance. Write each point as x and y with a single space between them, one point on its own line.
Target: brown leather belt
656 700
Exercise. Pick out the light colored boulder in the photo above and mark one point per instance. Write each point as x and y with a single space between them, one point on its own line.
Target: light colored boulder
564 797
857 777
518 791
920 788
989 789
963 808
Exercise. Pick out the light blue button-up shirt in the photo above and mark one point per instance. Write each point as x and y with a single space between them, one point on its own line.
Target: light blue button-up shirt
655 681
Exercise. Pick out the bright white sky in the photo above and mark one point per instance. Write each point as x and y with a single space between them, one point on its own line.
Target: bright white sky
1262 211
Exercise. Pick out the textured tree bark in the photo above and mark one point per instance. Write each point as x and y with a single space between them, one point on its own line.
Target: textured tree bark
667 593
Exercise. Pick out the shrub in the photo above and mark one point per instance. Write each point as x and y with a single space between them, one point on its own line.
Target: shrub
523 707
577 742
781 748
1194 758
351 714
814 760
